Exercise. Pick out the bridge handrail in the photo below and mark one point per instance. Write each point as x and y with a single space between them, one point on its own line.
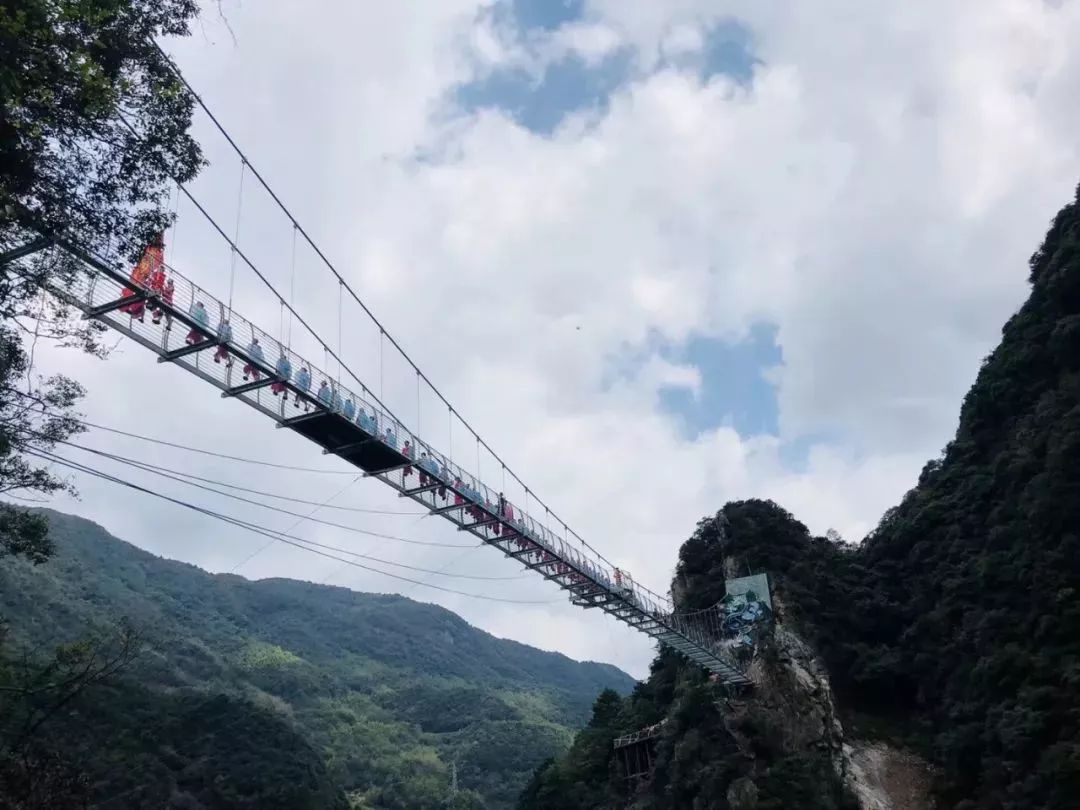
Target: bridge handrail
239 339
697 637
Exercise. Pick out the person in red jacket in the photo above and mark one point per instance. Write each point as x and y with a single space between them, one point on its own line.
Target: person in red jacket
151 261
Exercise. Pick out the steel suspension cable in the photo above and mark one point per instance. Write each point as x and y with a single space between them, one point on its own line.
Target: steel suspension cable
269 285
266 532
330 266
232 242
160 471
292 527
263 493
188 448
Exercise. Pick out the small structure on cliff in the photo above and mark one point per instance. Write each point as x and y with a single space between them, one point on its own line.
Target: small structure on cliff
636 753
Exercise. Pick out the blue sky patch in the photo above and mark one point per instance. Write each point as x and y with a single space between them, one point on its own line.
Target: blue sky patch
540 15
728 50
567 86
570 85
733 390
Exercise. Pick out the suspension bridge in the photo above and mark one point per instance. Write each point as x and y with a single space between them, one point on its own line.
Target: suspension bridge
187 326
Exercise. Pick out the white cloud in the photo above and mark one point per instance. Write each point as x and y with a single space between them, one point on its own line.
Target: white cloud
682 40
875 194
590 41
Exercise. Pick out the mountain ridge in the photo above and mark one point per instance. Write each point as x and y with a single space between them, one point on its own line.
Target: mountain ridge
412 684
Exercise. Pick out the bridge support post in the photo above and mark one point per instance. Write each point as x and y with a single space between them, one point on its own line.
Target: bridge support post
251 386
112 306
176 354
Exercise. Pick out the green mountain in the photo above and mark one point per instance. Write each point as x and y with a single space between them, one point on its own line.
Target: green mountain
936 664
278 693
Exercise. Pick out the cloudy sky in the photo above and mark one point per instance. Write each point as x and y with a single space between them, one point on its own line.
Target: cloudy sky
661 254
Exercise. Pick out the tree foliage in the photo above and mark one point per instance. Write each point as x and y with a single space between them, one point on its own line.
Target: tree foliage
93 127
33 692
93 123
34 416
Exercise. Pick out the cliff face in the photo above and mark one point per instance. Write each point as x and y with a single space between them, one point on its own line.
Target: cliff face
793 702
884 777
780 745
793 695
880 775
937 664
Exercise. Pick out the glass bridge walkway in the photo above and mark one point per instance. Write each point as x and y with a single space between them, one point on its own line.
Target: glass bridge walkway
365 436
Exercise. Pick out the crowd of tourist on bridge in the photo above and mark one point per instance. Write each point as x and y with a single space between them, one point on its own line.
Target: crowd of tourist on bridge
151 288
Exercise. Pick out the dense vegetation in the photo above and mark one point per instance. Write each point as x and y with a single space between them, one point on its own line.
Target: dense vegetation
93 132
953 629
286 694
93 129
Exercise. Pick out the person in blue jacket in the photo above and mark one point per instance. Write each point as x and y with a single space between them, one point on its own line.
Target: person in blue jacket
200 316
431 465
365 422
284 371
224 333
256 353
429 470
324 394
350 409
303 382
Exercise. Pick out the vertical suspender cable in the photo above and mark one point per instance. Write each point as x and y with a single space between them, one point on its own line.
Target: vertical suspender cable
340 289
381 334
292 289
326 365
175 216
281 323
214 120
236 235
418 400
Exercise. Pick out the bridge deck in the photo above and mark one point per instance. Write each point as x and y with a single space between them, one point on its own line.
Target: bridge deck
97 289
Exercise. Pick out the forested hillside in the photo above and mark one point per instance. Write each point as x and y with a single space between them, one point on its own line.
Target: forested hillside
952 631
280 693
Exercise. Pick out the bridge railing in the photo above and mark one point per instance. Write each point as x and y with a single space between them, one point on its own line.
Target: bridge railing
228 368
223 356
